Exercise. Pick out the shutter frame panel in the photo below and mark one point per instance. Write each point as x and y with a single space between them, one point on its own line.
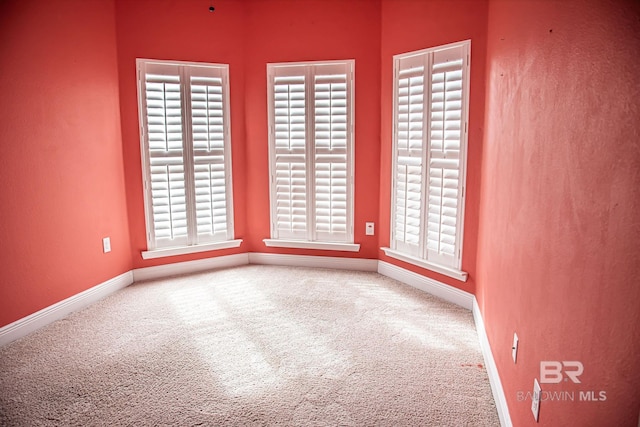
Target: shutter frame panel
440 162
331 155
290 155
185 147
207 87
409 149
310 149
446 137
164 130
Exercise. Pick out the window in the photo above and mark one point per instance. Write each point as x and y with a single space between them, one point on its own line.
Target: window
311 155
431 92
186 156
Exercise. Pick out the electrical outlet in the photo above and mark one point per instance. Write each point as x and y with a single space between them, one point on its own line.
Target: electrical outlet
106 244
369 228
514 347
535 399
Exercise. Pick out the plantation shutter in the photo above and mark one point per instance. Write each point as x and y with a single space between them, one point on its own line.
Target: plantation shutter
310 150
331 123
164 121
209 159
290 193
429 153
410 150
186 153
445 130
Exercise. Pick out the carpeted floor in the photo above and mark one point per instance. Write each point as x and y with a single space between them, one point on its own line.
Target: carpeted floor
254 345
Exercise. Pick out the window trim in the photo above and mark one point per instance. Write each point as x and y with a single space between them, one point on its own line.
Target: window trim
447 271
392 251
305 244
153 251
183 250
311 242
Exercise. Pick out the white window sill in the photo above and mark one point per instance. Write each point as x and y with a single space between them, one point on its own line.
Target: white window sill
182 250
447 271
303 244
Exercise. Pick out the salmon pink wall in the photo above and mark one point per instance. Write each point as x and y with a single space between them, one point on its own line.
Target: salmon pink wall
559 248
409 25
553 183
310 30
60 153
183 31
247 35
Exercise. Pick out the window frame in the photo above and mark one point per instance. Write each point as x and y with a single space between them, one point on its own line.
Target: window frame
398 249
311 69
191 243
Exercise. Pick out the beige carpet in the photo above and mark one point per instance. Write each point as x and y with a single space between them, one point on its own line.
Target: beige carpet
254 345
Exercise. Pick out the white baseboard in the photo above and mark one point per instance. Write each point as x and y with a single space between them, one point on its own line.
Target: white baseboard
492 369
358 264
37 320
166 270
431 286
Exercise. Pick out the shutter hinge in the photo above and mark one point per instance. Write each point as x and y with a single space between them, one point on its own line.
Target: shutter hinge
465 127
463 189
467 59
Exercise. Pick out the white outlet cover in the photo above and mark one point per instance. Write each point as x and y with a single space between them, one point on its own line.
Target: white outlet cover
514 348
106 245
369 228
535 399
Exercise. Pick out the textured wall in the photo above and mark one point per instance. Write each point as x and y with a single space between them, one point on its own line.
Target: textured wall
559 253
60 153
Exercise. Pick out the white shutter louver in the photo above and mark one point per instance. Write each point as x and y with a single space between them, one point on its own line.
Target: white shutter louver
330 118
290 156
431 96
310 148
444 155
186 153
164 130
209 156
410 151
